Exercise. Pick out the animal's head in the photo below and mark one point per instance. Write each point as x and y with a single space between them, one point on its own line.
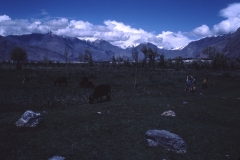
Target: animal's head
91 99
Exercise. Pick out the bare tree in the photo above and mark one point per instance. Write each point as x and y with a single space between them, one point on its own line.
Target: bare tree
162 63
145 52
135 58
179 64
66 56
113 59
219 60
88 57
80 57
18 54
169 63
120 59
45 58
135 54
151 54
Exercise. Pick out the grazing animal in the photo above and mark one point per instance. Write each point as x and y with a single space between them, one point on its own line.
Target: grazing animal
88 84
85 83
60 80
84 79
100 91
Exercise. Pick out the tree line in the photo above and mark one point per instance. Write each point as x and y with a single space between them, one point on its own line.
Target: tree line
151 59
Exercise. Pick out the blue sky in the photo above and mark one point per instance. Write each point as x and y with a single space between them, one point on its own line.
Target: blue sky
165 23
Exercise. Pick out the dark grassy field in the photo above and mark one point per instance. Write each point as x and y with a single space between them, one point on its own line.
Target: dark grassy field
209 123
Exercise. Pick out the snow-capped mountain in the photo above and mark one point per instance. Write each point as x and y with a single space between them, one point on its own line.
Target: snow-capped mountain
38 45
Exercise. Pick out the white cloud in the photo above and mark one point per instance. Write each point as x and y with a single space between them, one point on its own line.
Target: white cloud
118 33
202 31
112 36
230 24
73 32
15 27
57 24
173 40
124 36
4 18
80 25
114 25
115 32
44 12
232 10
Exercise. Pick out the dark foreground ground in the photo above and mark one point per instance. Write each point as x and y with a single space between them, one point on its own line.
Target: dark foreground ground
209 123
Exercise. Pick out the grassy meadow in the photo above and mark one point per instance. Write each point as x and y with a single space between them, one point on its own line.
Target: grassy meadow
209 123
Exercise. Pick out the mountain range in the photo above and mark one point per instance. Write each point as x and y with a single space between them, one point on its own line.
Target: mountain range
55 47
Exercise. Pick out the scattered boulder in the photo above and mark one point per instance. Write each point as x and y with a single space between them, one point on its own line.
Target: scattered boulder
184 102
165 139
29 119
168 113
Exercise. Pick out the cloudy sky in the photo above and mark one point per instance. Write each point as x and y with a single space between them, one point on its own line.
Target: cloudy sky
165 23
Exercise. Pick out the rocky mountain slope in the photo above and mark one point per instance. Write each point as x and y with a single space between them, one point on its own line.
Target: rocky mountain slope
229 44
194 49
232 47
55 47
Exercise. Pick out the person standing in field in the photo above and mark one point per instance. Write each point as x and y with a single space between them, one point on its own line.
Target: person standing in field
204 85
188 82
193 84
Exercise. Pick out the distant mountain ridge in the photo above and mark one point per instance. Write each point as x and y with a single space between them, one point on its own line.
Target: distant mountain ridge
37 45
232 47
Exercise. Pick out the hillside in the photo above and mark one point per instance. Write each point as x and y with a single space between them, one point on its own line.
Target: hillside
232 48
38 45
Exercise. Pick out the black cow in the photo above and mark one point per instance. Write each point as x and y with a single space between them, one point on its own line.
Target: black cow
84 79
85 83
90 84
60 80
100 90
